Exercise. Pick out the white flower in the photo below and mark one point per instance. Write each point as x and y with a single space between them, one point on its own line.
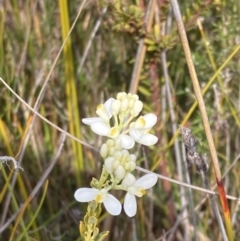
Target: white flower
112 205
100 125
139 130
115 117
127 141
136 188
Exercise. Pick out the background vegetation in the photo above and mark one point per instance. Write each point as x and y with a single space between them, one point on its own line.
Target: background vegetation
96 63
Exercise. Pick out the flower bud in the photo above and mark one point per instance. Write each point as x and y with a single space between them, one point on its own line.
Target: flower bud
104 151
121 95
124 105
111 151
110 142
109 164
115 165
118 144
126 166
133 158
136 97
128 180
131 166
137 108
131 103
115 107
118 155
119 172
125 153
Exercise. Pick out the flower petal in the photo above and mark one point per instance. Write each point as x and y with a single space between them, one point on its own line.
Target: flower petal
147 181
91 120
100 128
135 134
127 141
85 194
150 119
130 205
147 140
137 108
128 180
107 105
112 205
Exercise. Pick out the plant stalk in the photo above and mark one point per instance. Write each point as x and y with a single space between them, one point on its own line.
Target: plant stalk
203 111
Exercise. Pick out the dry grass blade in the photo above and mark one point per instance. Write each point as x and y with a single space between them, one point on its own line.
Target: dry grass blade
141 49
204 116
39 185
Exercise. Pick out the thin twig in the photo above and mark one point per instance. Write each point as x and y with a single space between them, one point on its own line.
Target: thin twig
187 185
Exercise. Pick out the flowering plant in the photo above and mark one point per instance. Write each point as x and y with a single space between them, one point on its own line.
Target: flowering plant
118 120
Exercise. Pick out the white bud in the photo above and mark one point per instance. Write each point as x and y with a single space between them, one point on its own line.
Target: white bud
124 159
125 153
124 105
128 180
137 108
110 142
131 103
109 164
104 150
135 97
115 107
121 95
131 166
118 155
119 172
116 164
133 158
118 144
126 166
111 151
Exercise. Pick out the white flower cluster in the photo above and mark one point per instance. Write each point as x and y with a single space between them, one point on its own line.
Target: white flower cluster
116 121
123 110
